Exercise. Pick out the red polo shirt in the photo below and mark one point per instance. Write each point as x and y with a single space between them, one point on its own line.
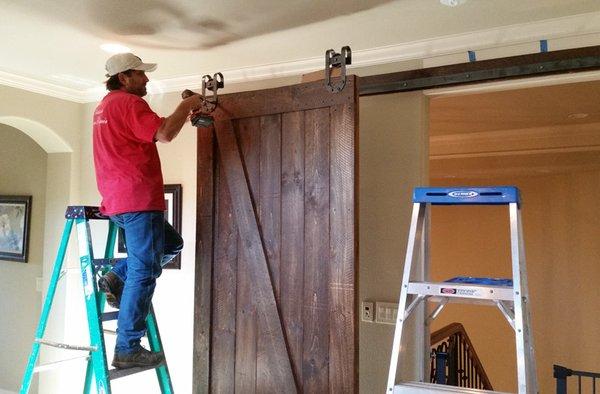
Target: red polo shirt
128 170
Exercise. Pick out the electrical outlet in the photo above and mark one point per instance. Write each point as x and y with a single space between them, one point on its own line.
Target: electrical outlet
386 312
368 311
39 284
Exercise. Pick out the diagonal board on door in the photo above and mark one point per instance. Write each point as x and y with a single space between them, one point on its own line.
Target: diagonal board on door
276 243
252 246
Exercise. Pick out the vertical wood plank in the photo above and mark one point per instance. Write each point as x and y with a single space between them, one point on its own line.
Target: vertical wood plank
270 193
280 368
343 357
224 292
269 214
316 252
204 260
248 134
292 236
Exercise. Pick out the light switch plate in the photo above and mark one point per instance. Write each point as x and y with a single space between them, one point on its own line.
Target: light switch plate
386 312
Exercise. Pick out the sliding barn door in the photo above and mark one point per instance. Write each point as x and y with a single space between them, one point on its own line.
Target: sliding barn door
275 308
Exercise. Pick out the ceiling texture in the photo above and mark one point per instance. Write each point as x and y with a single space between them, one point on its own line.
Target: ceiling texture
53 47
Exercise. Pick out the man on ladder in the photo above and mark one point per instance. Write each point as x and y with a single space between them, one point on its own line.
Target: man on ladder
129 178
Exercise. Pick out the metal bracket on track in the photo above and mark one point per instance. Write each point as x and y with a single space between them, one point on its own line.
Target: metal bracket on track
201 117
337 60
213 84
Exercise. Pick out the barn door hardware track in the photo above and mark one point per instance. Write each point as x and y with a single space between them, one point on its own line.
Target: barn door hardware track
337 60
522 66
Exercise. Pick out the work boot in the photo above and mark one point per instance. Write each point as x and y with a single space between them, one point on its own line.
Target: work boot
141 358
112 286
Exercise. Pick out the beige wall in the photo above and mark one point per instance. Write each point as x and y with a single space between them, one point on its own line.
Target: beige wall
392 160
23 172
561 225
53 126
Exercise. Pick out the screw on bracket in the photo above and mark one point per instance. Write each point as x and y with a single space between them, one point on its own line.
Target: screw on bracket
337 60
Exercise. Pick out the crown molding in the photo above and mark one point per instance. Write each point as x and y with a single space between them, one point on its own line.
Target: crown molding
557 138
564 27
41 87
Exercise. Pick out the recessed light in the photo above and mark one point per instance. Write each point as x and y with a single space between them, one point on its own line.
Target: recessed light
578 115
114 48
452 3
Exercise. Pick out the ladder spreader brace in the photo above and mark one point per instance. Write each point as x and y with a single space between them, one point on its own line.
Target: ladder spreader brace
510 296
95 301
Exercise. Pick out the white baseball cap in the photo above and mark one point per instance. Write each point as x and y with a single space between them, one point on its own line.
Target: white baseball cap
126 61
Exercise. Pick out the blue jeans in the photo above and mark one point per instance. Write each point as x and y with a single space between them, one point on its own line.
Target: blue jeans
151 243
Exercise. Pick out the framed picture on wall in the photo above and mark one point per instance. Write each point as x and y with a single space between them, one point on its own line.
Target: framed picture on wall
172 215
15 213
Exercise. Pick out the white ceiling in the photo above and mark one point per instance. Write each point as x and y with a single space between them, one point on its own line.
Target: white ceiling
55 44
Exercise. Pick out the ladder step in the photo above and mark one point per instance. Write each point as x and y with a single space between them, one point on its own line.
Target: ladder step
65 345
101 263
462 292
110 332
108 316
430 388
121 373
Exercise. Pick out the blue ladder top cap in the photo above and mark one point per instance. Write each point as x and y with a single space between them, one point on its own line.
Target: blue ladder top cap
493 195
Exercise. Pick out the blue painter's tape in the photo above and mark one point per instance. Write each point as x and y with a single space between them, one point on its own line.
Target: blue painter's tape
492 195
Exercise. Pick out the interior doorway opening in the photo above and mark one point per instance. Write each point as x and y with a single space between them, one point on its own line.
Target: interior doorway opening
546 141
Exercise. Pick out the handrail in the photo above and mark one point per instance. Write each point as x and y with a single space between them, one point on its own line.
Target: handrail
455 333
561 374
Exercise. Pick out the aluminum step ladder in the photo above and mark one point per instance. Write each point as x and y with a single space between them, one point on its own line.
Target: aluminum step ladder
91 269
510 296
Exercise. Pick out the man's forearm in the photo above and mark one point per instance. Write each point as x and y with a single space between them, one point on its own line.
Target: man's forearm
172 124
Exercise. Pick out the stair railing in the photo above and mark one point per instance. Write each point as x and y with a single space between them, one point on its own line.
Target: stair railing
561 374
454 360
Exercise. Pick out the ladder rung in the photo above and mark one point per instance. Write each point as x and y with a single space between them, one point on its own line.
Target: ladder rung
121 373
56 364
462 292
111 332
66 345
108 316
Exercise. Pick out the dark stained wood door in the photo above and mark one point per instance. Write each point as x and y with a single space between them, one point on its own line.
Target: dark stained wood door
276 289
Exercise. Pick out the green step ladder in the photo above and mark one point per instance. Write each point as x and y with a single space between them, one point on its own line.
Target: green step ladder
95 301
